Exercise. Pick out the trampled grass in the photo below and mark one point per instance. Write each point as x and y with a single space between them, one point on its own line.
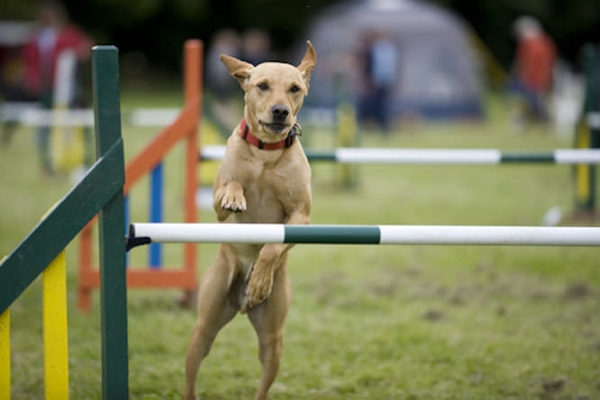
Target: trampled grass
367 322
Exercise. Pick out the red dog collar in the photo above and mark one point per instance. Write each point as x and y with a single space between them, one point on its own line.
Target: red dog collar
253 140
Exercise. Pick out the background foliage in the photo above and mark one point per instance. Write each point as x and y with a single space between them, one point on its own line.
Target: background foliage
158 27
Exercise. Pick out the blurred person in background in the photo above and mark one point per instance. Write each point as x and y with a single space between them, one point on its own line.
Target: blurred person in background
224 90
253 46
11 90
379 70
53 35
256 46
532 72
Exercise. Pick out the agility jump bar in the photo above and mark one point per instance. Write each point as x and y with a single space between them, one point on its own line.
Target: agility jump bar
351 155
145 233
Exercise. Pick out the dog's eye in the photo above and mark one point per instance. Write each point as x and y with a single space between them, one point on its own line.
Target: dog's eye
295 89
263 86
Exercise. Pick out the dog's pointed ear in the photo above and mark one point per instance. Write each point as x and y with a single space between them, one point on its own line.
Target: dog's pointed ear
239 69
308 61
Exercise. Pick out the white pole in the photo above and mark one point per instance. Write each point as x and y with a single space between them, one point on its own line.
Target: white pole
368 234
349 155
57 117
209 233
418 156
213 152
490 235
577 156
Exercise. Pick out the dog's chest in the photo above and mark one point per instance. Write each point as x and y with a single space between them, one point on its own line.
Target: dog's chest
265 192
269 189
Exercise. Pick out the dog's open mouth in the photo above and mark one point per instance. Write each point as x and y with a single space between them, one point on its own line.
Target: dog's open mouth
274 127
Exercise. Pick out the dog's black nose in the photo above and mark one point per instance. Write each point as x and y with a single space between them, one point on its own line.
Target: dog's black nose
280 112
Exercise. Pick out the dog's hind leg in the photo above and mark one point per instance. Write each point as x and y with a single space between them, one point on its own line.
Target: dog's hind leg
267 320
214 312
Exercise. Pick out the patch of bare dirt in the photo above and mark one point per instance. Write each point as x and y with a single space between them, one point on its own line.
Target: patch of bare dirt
577 291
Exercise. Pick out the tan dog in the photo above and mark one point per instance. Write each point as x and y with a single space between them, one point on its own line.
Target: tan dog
263 178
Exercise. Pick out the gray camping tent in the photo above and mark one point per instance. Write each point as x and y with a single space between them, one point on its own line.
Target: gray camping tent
437 74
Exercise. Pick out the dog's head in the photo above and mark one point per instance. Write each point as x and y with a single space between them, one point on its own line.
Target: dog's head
274 92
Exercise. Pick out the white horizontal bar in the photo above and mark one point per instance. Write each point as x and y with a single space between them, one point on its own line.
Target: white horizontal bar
39 117
421 156
577 156
210 233
30 114
490 235
389 234
11 111
418 156
213 152
153 116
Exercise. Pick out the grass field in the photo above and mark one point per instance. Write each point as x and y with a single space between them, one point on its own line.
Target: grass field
367 322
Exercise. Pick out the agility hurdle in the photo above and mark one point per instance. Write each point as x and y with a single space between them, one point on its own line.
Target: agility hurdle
146 233
99 191
357 155
149 161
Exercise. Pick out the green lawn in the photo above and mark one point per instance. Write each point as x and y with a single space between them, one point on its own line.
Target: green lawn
367 322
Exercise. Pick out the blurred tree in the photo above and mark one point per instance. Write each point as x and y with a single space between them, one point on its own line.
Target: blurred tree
17 9
571 23
158 27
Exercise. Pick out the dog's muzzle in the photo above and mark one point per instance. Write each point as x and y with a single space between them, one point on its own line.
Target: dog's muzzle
279 119
280 112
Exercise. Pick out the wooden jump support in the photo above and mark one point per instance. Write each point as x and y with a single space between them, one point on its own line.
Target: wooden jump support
186 128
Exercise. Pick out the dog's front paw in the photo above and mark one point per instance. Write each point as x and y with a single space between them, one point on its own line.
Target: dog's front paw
234 204
233 198
259 288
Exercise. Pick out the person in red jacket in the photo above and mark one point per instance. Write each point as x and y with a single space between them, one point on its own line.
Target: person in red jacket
534 63
53 35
